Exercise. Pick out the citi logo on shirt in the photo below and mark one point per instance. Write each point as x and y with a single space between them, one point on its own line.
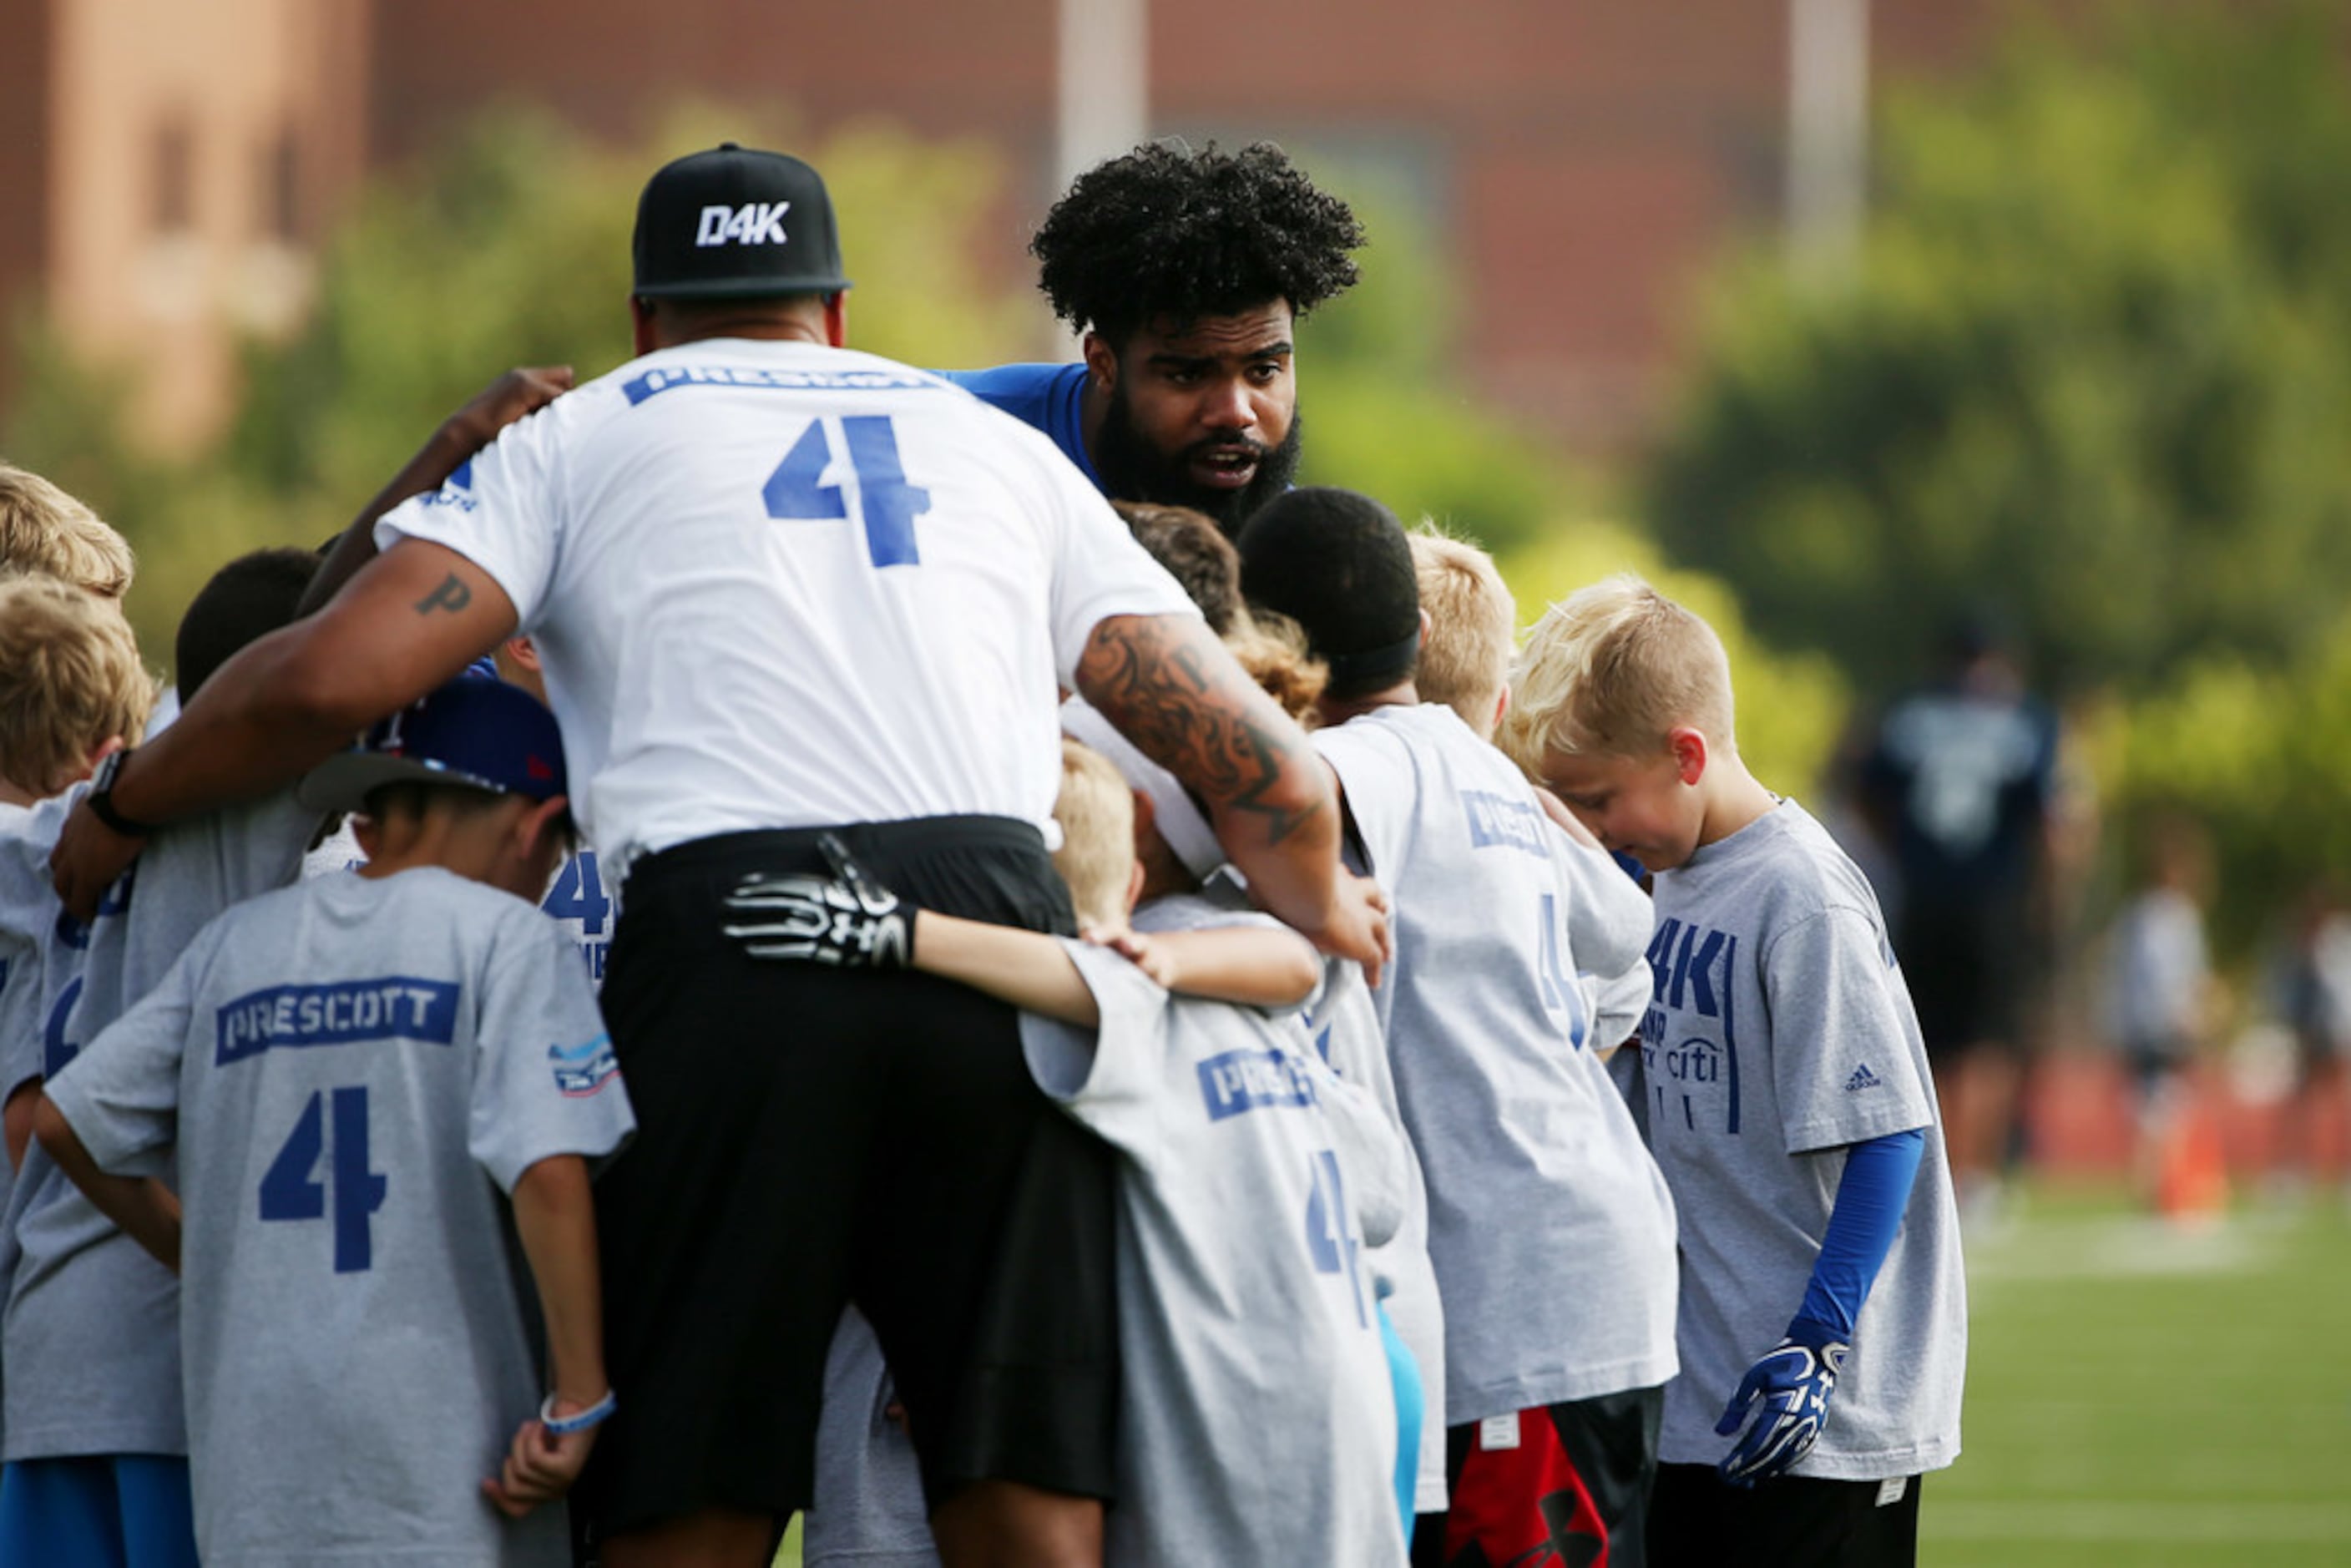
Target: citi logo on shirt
1863 1078
753 223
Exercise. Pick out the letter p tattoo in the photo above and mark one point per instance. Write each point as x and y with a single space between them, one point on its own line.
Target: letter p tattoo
453 595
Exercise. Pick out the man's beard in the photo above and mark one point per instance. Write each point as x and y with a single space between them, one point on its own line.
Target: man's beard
1131 469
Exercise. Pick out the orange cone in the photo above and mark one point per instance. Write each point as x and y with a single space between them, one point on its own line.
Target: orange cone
2193 1182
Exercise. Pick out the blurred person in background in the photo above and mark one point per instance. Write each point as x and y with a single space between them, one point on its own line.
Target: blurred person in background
1960 785
2314 985
2158 991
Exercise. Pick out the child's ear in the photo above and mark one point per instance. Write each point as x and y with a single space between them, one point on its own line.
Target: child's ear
1689 752
367 835
97 754
1135 880
541 824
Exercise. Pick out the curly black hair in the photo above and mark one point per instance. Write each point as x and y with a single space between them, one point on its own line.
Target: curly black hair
1164 230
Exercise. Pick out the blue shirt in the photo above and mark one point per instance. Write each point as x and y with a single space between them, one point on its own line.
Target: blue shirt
1049 397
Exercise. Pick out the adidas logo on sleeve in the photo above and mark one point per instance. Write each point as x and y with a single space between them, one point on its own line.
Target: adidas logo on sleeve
1863 1078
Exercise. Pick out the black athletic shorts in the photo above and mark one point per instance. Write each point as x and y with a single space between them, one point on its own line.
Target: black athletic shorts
1558 1483
807 1135
1966 963
1697 1520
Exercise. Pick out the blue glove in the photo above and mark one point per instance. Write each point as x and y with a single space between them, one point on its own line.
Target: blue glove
1793 1382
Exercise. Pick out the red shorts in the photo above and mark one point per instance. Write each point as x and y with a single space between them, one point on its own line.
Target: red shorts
1564 1483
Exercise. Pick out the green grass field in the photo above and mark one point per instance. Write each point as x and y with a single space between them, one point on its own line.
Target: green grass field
2142 1396
2139 1394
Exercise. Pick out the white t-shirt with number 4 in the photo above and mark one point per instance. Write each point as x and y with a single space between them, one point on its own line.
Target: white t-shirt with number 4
779 585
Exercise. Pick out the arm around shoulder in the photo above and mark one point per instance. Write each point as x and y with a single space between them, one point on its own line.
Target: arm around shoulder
1170 686
1026 969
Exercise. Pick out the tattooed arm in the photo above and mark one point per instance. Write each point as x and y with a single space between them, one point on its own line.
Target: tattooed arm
1169 685
410 621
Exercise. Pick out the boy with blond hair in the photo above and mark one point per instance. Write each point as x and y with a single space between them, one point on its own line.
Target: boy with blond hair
1250 1180
1473 624
1789 1104
1468 638
72 687
70 681
44 530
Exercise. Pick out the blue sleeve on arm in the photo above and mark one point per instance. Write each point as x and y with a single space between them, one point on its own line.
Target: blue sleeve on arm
1870 1202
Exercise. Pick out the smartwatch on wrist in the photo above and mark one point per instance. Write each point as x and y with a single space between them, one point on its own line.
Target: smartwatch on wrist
100 799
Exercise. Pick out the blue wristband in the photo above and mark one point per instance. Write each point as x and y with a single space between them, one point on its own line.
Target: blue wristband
579 1420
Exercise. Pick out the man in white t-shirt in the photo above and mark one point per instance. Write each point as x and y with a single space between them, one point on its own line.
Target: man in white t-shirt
778 587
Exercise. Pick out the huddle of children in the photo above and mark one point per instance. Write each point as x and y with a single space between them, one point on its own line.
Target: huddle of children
300 1260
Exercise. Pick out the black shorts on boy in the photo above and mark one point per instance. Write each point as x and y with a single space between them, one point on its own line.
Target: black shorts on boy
1697 1520
810 1135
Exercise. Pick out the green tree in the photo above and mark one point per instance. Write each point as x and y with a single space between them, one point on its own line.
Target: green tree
1384 409
2092 365
509 245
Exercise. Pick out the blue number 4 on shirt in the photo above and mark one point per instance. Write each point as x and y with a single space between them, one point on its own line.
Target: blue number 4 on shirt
886 504
292 1191
578 894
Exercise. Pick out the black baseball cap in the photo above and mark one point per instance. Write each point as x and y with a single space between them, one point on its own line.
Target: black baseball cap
736 222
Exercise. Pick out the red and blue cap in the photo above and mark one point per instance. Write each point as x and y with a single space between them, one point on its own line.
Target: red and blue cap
475 733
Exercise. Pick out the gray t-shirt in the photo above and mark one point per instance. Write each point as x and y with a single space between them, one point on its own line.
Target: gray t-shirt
1780 1033
353 1070
869 1511
1548 1224
1344 1025
1258 1424
586 907
93 1322
578 898
21 924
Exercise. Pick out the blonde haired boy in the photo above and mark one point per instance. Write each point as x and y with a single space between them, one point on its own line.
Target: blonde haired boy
1788 1103
70 681
71 688
44 530
1465 654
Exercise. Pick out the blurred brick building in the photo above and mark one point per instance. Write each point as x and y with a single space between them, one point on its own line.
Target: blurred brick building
168 168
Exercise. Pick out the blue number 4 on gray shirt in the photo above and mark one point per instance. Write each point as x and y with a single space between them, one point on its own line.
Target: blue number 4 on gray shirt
353 1070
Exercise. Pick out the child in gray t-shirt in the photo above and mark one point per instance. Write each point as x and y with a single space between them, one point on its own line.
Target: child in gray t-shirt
1541 1199
1257 1419
1823 1324
72 689
347 1072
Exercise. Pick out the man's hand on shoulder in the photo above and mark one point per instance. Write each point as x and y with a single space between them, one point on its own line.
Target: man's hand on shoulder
524 389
